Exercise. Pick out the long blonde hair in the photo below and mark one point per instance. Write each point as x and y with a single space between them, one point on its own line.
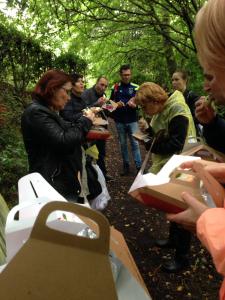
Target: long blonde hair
210 35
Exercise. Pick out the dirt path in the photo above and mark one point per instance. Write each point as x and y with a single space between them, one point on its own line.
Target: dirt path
140 226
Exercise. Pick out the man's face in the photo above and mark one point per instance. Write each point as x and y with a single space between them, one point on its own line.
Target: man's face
101 86
125 76
214 85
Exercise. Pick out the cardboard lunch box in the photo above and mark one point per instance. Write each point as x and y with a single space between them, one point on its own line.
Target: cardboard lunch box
129 283
56 265
141 137
19 225
98 121
119 246
163 191
204 152
98 133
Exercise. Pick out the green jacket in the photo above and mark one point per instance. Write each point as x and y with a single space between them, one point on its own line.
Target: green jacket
174 106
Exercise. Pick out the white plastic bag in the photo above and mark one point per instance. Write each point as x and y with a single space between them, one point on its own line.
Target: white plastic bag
101 201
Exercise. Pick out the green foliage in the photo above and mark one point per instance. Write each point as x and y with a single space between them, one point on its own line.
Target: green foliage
13 166
13 162
13 159
90 37
154 36
70 63
23 58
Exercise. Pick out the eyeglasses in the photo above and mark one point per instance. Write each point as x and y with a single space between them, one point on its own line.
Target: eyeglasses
67 91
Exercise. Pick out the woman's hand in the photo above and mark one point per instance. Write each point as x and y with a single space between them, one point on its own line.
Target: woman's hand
143 125
217 170
88 113
204 112
189 217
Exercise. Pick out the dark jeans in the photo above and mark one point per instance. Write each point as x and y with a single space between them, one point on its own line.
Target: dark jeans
125 130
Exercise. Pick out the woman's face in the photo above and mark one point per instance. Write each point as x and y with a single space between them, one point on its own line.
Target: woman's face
178 82
61 97
214 85
78 87
152 107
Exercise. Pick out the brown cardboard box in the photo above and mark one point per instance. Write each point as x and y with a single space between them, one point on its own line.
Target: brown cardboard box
165 193
100 122
57 265
206 153
119 246
140 136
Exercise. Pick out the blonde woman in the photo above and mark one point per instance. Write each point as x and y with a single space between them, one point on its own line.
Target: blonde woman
210 223
172 115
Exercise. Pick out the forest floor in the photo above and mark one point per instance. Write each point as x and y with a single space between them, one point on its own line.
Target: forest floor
141 225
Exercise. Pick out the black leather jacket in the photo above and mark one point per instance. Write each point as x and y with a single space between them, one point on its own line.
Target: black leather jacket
53 146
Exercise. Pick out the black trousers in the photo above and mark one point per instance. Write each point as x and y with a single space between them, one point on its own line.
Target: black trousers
180 238
101 146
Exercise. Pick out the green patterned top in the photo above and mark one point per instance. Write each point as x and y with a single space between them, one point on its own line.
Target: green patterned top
174 106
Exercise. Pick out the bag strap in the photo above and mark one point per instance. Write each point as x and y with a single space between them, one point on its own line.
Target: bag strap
155 139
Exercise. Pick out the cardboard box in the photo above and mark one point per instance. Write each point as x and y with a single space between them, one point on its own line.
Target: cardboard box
163 191
129 281
100 122
119 247
141 137
205 152
57 265
18 231
98 133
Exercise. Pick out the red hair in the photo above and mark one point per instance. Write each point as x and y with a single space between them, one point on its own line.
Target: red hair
49 83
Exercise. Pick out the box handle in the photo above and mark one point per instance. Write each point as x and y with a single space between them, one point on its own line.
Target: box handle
43 232
195 183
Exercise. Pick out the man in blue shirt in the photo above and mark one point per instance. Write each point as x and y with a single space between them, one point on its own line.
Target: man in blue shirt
125 117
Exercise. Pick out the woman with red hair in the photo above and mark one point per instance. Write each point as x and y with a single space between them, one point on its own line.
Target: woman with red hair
53 145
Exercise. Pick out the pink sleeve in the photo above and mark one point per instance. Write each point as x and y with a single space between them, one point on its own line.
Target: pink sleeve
211 232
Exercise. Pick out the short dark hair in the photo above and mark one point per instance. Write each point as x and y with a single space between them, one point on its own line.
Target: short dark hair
124 68
49 83
75 77
100 77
